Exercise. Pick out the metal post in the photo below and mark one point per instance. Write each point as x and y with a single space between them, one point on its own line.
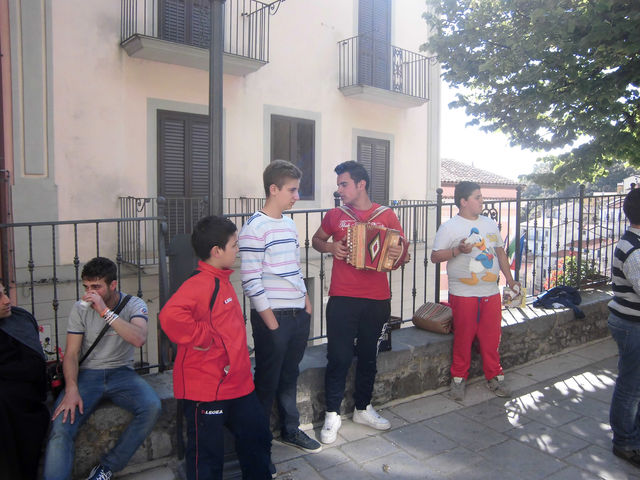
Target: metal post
580 227
215 107
516 254
438 222
336 199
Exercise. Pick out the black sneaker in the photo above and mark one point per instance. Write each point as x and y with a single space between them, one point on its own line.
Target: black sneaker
631 456
301 440
272 470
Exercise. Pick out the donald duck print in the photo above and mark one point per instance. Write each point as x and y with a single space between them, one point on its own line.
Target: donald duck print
482 259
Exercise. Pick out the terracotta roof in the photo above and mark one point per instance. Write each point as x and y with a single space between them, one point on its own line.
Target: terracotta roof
452 172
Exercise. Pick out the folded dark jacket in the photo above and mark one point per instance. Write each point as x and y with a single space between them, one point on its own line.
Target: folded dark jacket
563 295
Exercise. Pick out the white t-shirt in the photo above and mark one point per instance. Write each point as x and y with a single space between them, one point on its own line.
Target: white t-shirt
472 274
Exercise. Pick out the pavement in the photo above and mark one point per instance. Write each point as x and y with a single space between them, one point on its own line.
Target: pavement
555 426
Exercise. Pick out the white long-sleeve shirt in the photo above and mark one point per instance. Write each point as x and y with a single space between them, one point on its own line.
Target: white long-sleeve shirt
270 263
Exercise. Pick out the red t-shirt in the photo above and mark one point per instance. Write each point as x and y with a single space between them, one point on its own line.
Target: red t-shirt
347 281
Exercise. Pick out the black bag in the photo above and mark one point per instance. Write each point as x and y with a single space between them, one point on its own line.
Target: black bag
55 375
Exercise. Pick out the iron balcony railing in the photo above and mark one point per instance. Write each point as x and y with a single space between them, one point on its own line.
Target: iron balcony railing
246 24
362 60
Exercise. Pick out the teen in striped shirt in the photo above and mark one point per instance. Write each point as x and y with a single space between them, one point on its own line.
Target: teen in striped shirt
280 306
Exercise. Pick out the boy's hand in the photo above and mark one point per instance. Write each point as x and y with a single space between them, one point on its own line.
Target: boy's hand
339 249
465 247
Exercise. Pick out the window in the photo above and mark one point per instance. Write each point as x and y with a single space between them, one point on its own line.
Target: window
294 139
374 29
373 154
183 167
185 21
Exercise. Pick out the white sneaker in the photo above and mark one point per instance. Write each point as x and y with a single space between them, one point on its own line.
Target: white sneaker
371 418
332 423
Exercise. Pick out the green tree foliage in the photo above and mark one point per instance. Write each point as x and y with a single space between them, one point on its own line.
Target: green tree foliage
617 172
550 74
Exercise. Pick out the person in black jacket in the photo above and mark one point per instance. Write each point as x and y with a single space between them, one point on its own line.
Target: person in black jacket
24 418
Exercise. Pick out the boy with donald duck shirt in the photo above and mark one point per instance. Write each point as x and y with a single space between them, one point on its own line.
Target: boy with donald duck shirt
471 245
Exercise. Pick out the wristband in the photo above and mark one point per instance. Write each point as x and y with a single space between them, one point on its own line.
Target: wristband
453 252
104 312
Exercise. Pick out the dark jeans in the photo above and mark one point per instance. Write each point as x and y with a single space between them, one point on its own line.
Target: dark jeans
624 415
349 319
278 353
205 437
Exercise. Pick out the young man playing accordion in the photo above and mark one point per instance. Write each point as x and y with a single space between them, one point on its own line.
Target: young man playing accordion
359 303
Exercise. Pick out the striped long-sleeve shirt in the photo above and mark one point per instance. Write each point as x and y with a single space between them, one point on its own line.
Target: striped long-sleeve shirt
625 270
270 263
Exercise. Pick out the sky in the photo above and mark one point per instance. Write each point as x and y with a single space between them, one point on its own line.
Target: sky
470 145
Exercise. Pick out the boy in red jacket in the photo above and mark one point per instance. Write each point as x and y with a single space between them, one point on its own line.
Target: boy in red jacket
212 370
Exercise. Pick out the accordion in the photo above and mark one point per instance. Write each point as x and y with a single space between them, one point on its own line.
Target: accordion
368 246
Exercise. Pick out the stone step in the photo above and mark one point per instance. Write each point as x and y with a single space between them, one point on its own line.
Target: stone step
153 473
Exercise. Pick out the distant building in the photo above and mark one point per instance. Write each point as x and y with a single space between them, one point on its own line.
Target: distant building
494 186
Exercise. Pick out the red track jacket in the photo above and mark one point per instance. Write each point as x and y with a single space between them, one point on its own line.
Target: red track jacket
213 359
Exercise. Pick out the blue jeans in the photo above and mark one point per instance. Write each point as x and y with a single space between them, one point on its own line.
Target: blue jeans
125 388
623 415
278 354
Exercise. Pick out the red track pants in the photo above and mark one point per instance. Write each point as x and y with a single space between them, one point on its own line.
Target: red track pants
476 317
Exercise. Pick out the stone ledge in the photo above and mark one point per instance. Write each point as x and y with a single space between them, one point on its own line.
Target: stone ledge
419 362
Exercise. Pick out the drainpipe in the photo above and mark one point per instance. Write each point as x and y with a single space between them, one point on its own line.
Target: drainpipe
215 107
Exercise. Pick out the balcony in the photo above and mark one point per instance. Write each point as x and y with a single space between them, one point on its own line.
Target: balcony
178 32
382 73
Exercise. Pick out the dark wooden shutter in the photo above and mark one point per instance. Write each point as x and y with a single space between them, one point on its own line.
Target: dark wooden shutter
172 20
374 29
200 23
172 156
185 21
373 154
199 174
293 139
183 167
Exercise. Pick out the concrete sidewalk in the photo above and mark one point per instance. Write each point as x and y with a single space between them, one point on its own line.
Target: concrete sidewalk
555 426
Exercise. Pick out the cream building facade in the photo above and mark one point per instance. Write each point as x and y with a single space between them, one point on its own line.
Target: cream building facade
103 99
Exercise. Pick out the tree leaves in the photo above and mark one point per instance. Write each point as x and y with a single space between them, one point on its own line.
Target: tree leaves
550 74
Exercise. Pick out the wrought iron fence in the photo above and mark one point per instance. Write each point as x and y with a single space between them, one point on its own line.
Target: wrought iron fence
46 279
550 241
246 24
139 238
363 60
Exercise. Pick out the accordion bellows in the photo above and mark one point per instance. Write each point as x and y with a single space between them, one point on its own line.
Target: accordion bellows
369 244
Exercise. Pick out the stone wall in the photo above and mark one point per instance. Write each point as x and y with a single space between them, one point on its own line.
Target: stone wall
418 362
